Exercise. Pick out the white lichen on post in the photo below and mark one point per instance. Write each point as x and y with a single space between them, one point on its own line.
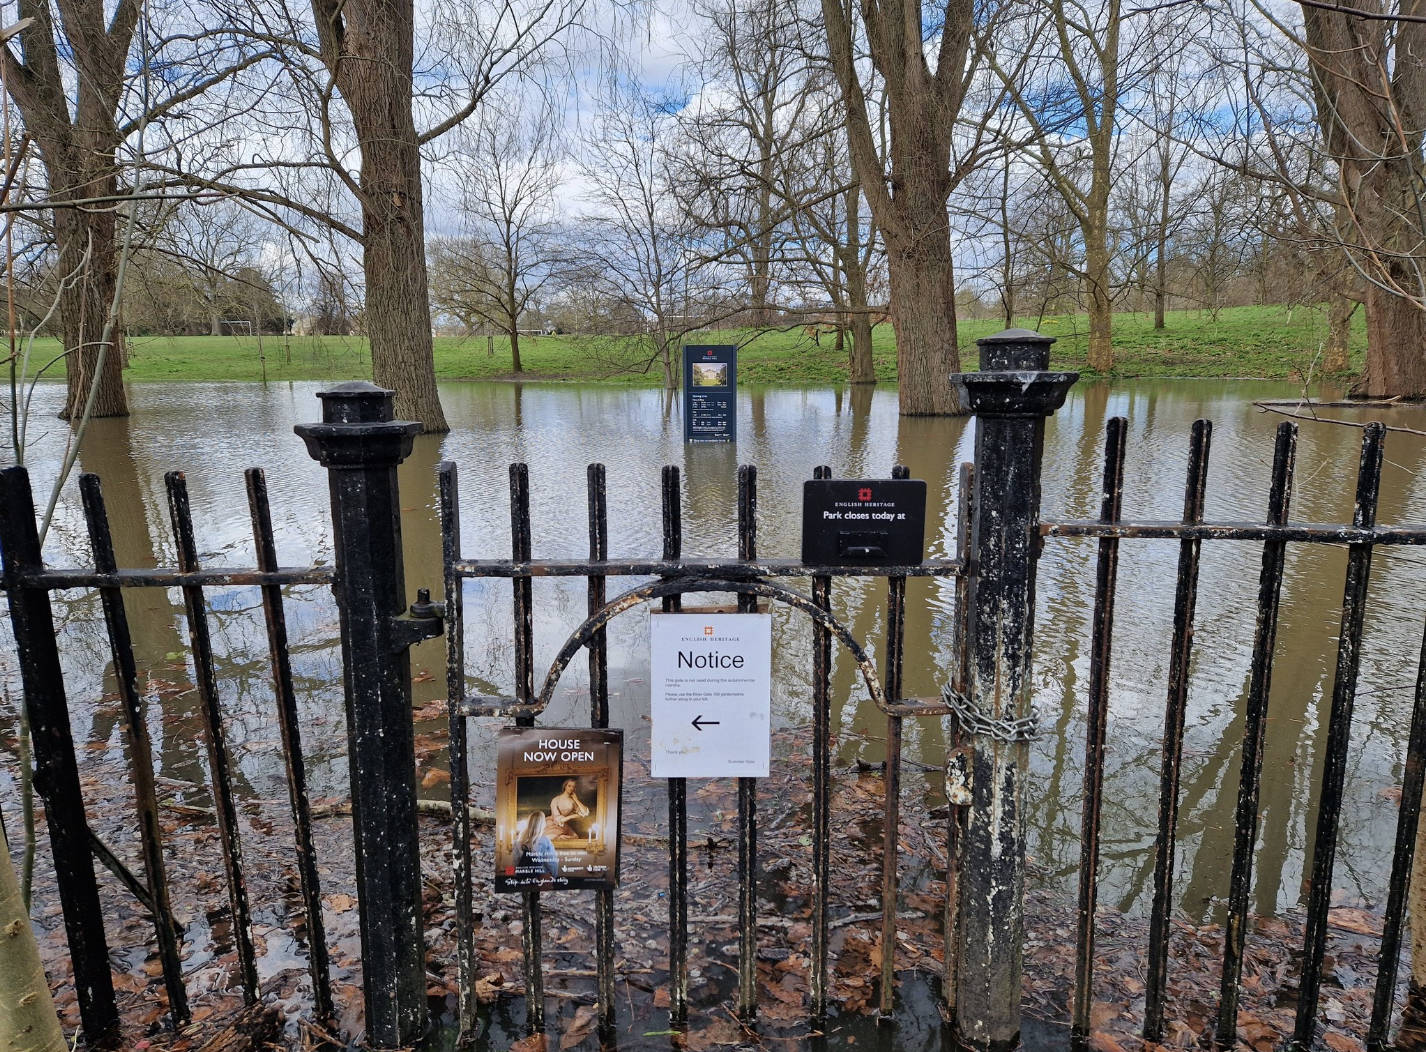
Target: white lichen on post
27 1017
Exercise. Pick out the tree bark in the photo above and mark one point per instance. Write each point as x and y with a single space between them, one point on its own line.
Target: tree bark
515 349
367 47
923 313
1101 306
27 1017
1396 367
1336 358
861 367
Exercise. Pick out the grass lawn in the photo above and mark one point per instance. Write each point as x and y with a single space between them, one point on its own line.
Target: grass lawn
1267 342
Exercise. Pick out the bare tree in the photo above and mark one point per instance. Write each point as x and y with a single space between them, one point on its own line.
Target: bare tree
908 180
507 177
69 82
637 247
348 91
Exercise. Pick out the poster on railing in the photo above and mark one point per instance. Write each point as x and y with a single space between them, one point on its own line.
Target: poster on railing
557 809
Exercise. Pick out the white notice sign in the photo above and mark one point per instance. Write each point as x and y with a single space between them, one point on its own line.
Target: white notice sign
712 691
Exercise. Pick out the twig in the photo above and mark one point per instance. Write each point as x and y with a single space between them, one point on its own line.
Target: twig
1266 408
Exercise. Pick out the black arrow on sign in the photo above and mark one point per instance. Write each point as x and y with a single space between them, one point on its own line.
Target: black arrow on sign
700 722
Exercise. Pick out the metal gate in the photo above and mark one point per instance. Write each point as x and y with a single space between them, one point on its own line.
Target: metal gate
987 703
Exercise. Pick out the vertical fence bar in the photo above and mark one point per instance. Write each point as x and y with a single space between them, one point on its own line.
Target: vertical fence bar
747 787
821 785
1413 780
360 445
1339 735
289 725
1254 731
1100 656
56 770
531 934
677 788
1011 397
599 717
206 682
448 488
167 933
1181 650
956 759
891 815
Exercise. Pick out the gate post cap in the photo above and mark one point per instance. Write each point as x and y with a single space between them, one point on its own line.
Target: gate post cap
356 429
1014 350
357 402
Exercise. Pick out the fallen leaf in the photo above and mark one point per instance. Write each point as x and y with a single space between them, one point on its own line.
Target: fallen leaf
1104 1043
1349 918
1341 1042
533 1043
435 776
1102 1013
579 1027
340 903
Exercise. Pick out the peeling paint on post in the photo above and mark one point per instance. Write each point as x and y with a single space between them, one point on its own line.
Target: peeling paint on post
1011 397
360 445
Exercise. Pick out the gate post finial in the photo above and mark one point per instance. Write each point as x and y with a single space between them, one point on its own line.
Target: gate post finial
1011 397
361 445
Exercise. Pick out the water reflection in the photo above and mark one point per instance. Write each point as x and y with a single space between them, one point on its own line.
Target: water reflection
213 431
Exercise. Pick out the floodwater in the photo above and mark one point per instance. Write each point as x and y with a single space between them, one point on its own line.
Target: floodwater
214 431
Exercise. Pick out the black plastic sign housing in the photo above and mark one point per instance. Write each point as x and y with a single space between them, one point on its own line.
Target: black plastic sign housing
710 393
863 522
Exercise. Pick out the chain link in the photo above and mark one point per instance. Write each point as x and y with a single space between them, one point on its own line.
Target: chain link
975 723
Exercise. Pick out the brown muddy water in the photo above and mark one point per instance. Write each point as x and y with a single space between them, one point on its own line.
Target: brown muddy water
214 431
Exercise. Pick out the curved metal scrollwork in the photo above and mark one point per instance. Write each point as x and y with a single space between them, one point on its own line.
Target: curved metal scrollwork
680 586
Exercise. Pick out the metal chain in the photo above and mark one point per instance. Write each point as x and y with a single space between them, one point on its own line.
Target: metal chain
975 723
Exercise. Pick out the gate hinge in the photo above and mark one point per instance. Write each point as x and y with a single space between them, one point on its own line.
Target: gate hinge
425 621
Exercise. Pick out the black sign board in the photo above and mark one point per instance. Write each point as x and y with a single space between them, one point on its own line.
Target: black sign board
863 522
710 393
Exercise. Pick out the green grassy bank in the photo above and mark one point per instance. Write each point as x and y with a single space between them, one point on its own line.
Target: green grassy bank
1266 342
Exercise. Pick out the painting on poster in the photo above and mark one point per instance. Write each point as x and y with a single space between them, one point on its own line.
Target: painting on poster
557 808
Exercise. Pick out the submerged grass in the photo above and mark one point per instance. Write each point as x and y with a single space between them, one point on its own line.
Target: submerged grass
1266 342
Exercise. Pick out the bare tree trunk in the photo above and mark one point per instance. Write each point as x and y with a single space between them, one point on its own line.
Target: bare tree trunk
27 1017
78 157
923 313
515 349
1101 306
1396 364
1336 359
908 195
861 368
84 307
1374 136
367 45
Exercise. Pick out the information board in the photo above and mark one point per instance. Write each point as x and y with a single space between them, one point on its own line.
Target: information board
710 393
557 808
863 522
711 678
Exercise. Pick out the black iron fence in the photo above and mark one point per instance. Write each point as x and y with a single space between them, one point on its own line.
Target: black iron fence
987 704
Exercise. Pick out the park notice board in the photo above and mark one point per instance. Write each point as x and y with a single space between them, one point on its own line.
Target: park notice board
711 687
710 393
557 808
